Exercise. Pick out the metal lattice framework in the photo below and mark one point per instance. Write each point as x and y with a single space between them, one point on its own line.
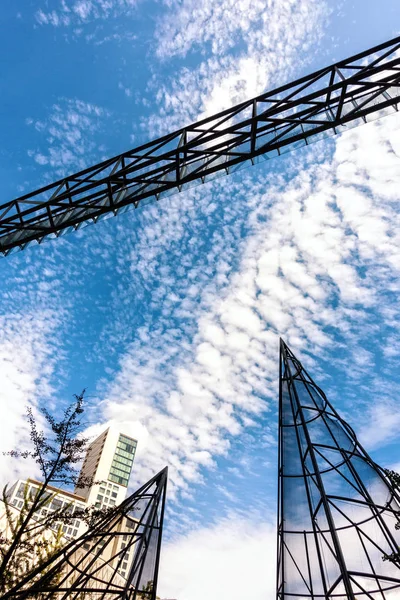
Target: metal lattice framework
92 567
328 101
336 509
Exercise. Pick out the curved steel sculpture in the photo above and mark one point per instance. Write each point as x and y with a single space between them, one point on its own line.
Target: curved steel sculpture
337 511
116 559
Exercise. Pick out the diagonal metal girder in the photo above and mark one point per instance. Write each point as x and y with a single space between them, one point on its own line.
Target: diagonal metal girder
346 94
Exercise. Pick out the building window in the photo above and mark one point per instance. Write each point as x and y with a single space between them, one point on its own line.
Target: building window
32 492
121 465
99 497
56 504
127 443
114 494
114 478
21 490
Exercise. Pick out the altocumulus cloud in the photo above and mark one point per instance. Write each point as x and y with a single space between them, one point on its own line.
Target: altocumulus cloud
320 251
276 42
308 250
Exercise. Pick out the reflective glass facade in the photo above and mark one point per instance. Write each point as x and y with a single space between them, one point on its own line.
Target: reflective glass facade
121 465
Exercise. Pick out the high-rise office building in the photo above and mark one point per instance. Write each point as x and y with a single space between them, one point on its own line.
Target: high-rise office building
108 463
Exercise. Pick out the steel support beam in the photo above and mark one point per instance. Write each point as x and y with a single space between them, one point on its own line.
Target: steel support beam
329 101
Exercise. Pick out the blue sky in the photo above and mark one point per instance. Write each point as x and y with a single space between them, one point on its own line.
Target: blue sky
170 315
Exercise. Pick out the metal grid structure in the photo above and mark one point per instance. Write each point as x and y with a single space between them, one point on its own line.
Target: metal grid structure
89 568
336 509
326 102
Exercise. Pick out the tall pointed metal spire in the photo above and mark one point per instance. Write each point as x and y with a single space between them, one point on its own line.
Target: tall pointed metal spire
116 559
336 509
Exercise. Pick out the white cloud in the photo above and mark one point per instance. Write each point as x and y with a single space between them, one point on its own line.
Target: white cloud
233 559
52 18
316 256
272 42
304 255
69 131
222 25
80 12
36 313
26 366
127 91
383 424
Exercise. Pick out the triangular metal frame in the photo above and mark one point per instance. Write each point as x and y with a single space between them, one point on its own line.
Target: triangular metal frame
337 511
90 566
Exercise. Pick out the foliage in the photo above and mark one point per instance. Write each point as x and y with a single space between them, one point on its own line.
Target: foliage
147 591
33 535
394 480
33 548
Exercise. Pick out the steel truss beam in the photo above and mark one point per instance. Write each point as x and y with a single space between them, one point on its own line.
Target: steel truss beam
117 559
326 102
337 512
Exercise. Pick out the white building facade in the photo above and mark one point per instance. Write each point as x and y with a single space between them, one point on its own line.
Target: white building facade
108 463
